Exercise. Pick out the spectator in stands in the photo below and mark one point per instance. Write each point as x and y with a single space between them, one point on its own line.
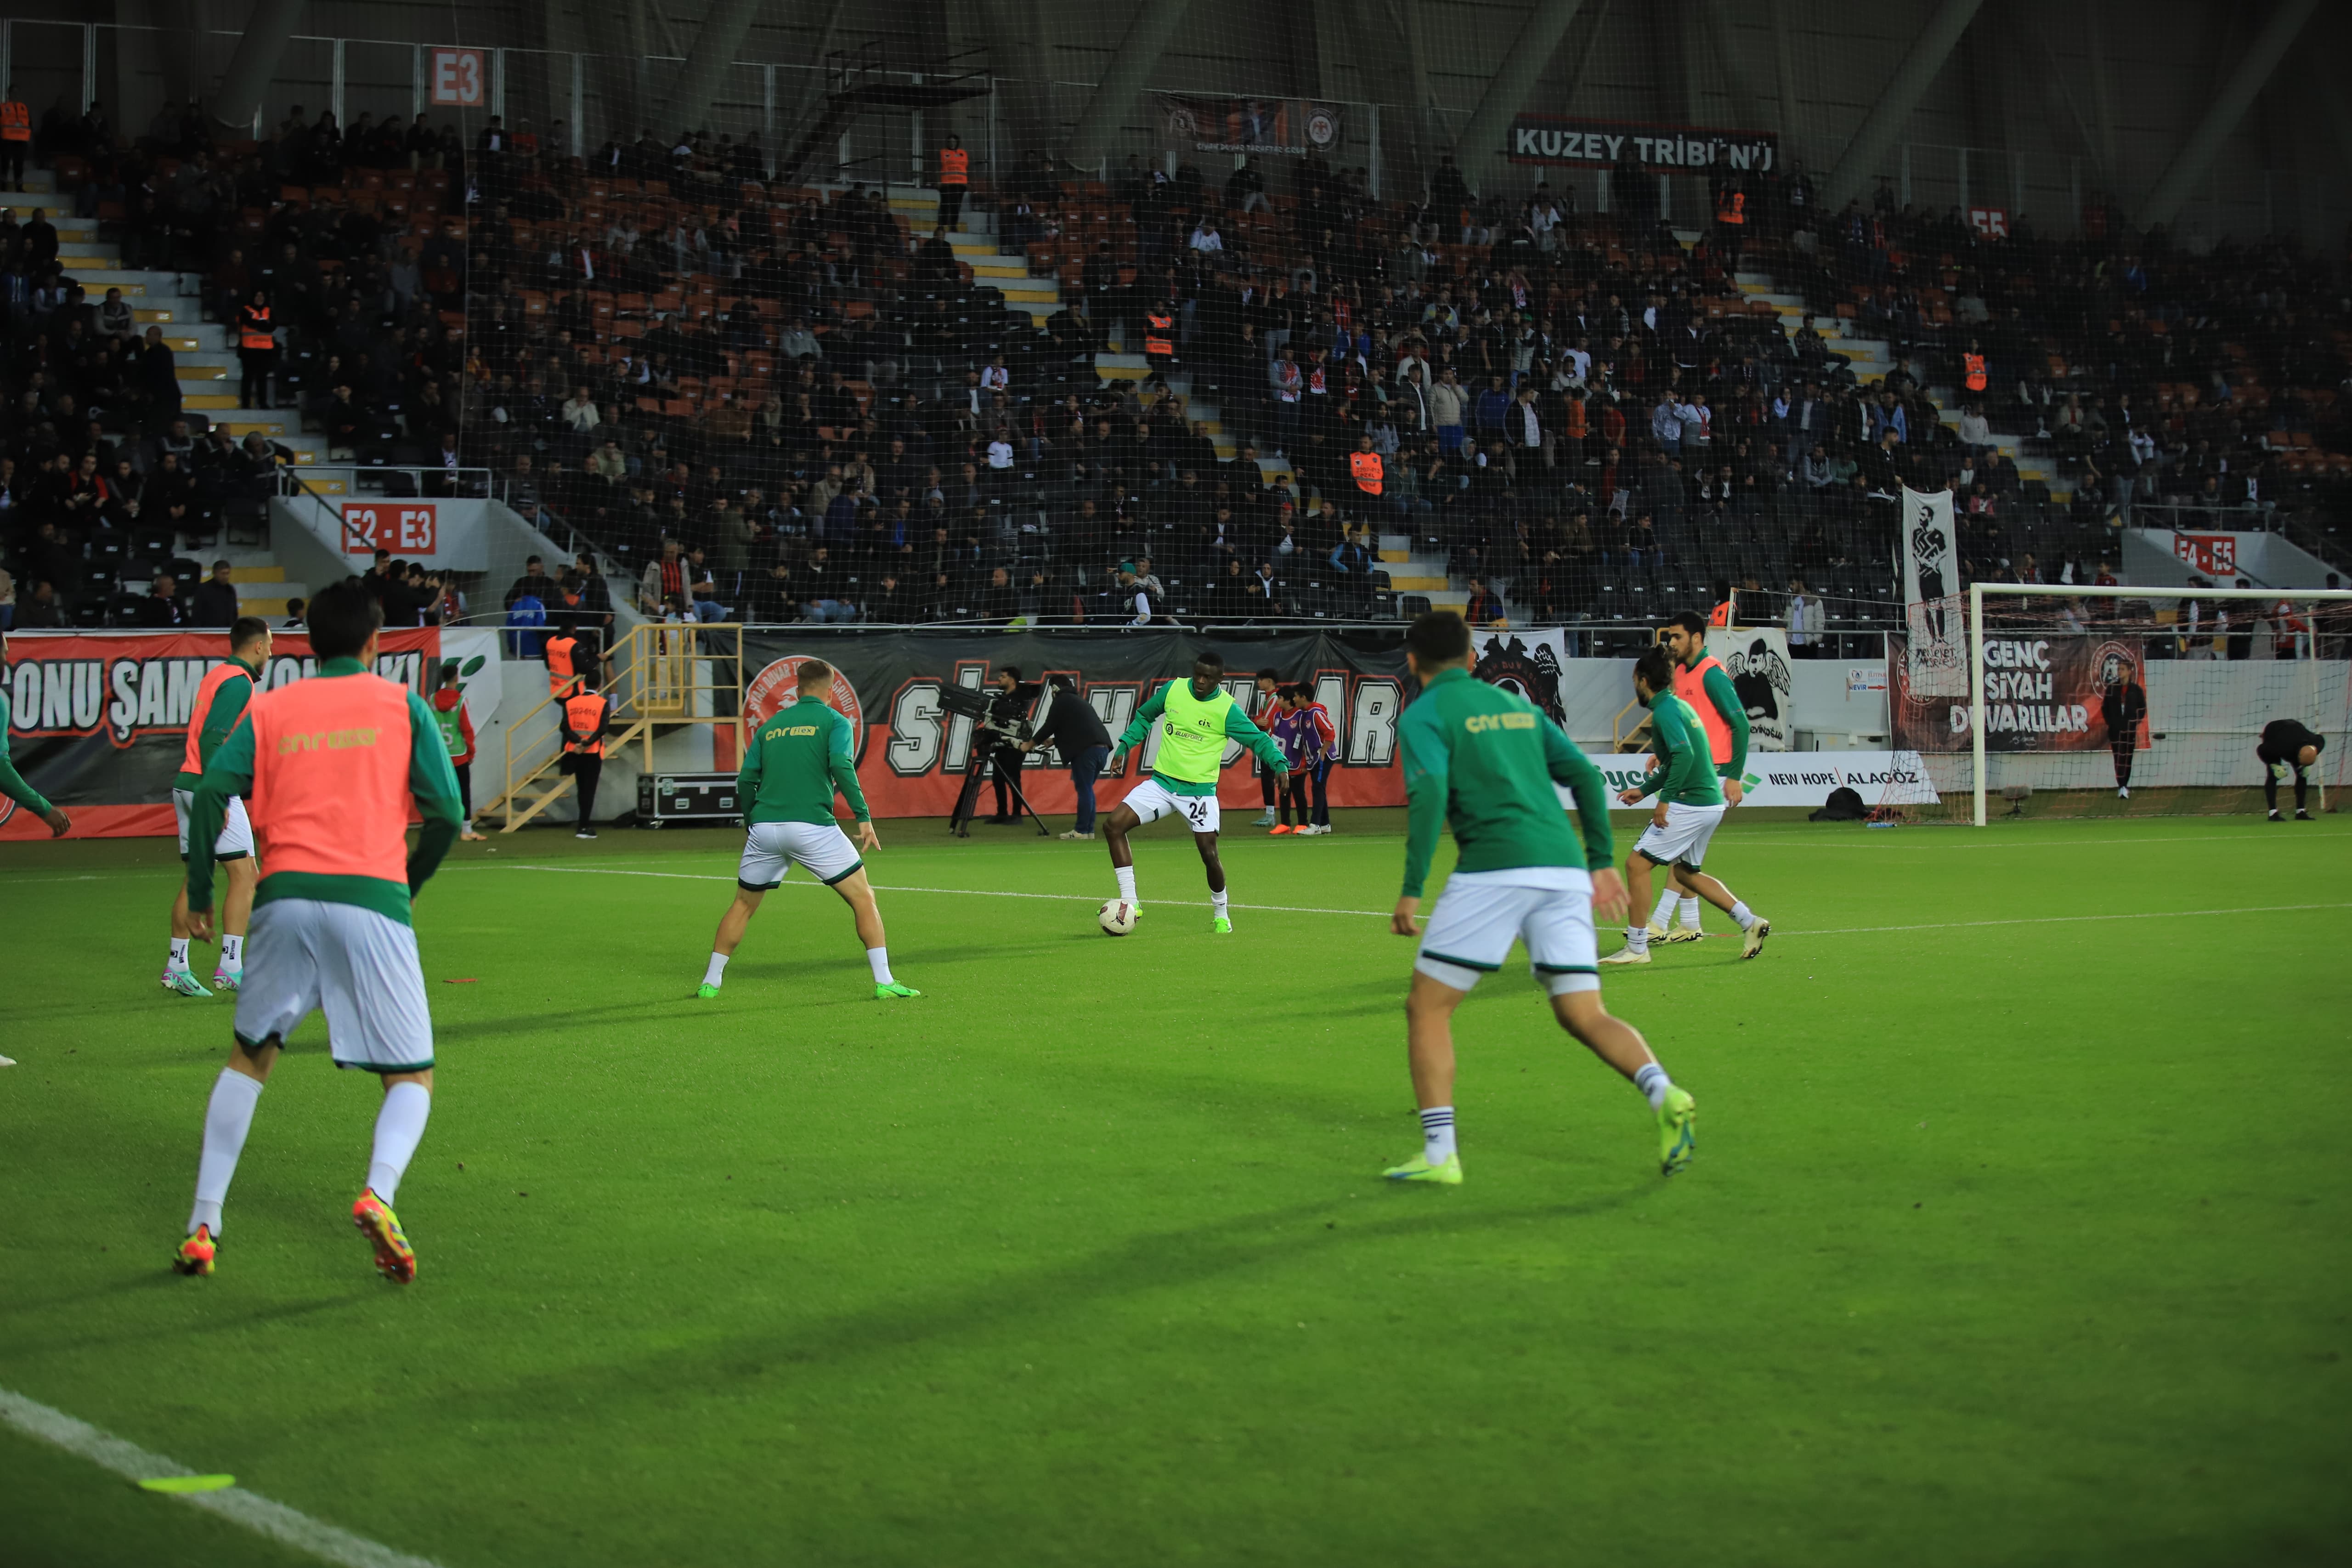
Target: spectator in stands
214 603
1484 608
163 609
534 583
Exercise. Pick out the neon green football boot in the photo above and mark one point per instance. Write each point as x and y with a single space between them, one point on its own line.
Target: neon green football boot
1677 1127
1419 1169
1221 926
893 990
706 991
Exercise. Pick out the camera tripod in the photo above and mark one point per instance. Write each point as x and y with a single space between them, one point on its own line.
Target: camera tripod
996 741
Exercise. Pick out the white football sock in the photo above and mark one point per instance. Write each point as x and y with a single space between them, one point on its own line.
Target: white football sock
228 1117
718 969
1437 1134
1217 903
1690 912
1653 1081
1126 874
1665 909
1744 915
179 959
880 957
233 951
1638 938
399 1127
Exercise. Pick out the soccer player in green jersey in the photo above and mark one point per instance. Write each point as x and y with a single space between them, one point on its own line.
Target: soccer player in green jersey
221 701
1690 807
790 769
1200 716
1483 760
12 782
1701 680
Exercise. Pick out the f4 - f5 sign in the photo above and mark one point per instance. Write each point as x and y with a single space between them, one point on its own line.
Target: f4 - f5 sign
459 78
404 528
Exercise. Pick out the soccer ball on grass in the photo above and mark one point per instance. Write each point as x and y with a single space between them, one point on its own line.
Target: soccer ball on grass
1117 917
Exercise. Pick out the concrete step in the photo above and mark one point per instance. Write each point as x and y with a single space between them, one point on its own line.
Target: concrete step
88 249
270 573
25 204
1122 367
203 340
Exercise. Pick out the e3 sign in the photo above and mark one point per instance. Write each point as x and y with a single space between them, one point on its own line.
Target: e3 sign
459 76
405 529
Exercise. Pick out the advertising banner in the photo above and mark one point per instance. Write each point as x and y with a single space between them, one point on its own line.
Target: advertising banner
1804 778
913 754
2042 694
99 722
1937 651
1263 127
1563 141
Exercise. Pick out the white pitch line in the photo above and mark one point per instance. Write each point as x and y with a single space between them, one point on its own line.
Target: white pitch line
288 1526
1383 915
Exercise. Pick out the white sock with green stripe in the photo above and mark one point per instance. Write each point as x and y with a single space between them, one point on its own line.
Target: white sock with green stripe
1437 1134
1665 909
880 957
178 961
1651 1080
1690 913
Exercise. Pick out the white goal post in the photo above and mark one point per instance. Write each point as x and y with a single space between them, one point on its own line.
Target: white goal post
2302 667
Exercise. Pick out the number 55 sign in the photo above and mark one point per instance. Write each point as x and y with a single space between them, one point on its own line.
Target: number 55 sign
459 78
404 528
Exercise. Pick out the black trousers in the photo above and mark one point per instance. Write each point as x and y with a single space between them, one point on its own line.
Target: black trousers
585 772
950 206
12 162
256 365
2270 760
2123 749
466 789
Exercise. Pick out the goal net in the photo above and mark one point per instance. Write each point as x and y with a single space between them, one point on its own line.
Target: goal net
2106 702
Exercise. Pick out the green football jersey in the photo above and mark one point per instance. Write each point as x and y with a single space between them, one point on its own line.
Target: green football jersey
794 765
1686 769
1483 761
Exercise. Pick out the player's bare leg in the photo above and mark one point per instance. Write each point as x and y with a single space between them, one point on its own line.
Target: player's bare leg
1637 893
858 894
1219 920
1754 928
1621 1045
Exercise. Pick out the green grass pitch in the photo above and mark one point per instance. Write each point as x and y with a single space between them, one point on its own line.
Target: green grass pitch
2018 1231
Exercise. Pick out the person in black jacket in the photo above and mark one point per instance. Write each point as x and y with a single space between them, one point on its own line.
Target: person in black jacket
2122 706
1076 730
2287 748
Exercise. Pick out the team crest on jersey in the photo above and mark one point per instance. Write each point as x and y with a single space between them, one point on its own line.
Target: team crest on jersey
778 686
1533 674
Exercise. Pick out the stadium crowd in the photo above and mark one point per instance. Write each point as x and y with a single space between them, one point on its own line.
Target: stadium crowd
770 402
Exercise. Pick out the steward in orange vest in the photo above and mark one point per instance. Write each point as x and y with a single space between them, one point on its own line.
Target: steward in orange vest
955 175
15 138
257 353
1364 465
1974 363
586 716
1159 332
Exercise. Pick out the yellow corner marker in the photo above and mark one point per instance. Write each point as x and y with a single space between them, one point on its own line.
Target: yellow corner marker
188 1483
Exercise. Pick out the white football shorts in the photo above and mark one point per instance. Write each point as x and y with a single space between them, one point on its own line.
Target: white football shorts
307 955
236 840
1152 800
1481 913
770 849
1682 840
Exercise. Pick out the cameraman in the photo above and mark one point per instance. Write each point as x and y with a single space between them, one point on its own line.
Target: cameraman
996 741
1072 725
